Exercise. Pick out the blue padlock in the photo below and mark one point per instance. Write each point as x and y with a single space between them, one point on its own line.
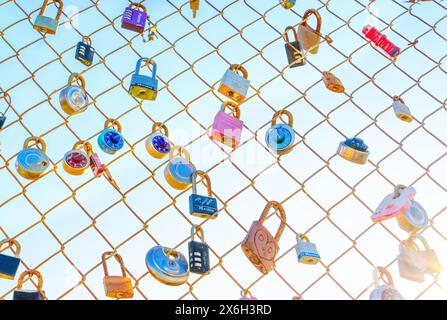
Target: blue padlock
354 150
202 206
85 52
144 87
110 140
280 138
9 265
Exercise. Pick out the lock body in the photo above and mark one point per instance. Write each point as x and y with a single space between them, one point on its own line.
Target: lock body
46 24
27 295
385 292
309 37
333 83
85 53
143 87
199 257
295 54
353 150
134 20
158 145
2 121
393 205
380 40
307 252
409 262
118 287
280 138
178 173
234 86
402 111
32 163
414 219
202 206
227 129
287 4
8 266
110 141
96 165
76 162
167 266
73 100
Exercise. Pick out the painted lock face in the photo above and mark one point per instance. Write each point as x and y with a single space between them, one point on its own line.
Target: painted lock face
354 150
310 37
32 162
333 83
20 294
179 171
47 24
110 140
385 291
227 128
233 85
118 287
287 4
281 137
134 18
202 206
394 204
9 264
306 251
144 87
85 52
167 266
73 98
294 49
158 145
414 219
76 161
199 255
401 111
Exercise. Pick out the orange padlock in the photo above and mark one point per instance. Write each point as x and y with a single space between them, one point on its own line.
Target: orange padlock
116 286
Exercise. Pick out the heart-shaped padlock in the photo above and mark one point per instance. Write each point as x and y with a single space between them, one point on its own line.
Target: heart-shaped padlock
414 219
167 265
73 98
32 162
394 204
111 140
76 161
354 150
158 145
179 170
281 137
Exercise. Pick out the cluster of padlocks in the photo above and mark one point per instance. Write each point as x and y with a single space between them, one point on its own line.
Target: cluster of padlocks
170 266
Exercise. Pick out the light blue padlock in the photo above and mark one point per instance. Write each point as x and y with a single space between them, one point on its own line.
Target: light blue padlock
144 87
280 138
111 140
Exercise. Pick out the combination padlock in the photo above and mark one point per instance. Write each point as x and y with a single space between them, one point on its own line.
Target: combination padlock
394 204
111 140
227 128
310 38
233 85
414 219
32 162
85 52
202 206
199 252
247 296
280 138
20 294
76 161
134 18
73 98
46 24
180 170
8 264
401 110
118 287
158 144
287 4
385 291
294 49
167 265
354 150
259 245
7 98
144 87
332 83
428 255
409 262
306 251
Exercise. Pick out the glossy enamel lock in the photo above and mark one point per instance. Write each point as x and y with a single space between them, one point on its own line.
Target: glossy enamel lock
306 251
247 296
111 140
233 85
414 219
179 170
199 252
9 264
394 204
385 291
287 4
280 138
47 24
409 262
32 162
144 87
167 265
7 99
118 287
76 161
354 150
20 294
294 49
85 52
429 257
401 110
227 128
134 18
158 144
310 38
73 98
259 245
202 206
332 83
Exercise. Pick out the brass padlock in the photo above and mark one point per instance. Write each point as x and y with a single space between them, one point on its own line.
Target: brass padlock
385 291
46 24
76 161
409 261
32 162
310 38
20 294
119 287
414 219
167 265
306 251
158 144
294 49
73 98
180 170
333 83
8 264
233 85
431 261
199 252
287 4
401 110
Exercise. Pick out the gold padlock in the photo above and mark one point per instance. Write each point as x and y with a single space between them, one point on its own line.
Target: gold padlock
310 38
73 99
333 83
180 170
158 144
46 24
119 287
32 162
233 85
76 161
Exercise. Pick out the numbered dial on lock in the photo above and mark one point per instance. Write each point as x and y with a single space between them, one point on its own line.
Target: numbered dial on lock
111 140
280 138
167 266
32 162
76 161
158 145
199 255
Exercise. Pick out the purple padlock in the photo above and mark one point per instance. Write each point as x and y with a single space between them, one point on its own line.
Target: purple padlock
134 18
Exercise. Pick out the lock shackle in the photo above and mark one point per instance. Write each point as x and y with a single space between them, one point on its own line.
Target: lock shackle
413 237
7 98
87 40
302 237
409 243
397 190
149 61
138 6
37 141
88 148
59 5
398 99
197 229
30 274
182 153
378 273
246 293
169 252
117 257
286 34
11 243
282 213
114 124
79 145
74 77
160 127
207 182
238 67
279 113
307 15
235 110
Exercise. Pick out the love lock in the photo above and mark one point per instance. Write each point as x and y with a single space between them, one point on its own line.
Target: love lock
167 266
32 162
394 204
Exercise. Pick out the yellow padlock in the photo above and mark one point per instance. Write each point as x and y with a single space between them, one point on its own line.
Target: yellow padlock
333 83
76 161
180 170
158 145
32 162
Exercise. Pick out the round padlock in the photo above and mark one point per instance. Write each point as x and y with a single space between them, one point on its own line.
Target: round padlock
354 150
73 98
32 162
281 137
76 161
414 219
111 140
179 171
158 145
167 266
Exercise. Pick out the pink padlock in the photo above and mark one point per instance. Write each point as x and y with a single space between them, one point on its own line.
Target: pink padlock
394 204
227 128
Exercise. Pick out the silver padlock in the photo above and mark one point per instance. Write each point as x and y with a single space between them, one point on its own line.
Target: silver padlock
306 251
233 85
401 109
73 98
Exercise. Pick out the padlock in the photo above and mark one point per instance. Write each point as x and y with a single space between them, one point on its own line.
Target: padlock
354 150
144 87
180 170
2 119
227 129
73 98
118 287
85 52
95 163
7 98
32 162
233 85
380 40
414 219
401 110
247 296
111 140
429 256
259 245
8 264
333 83
46 24
76 161
158 144
202 206
310 38
199 252
306 251
20 294
294 49
409 261
280 138
194 6
134 18
287 4
167 265
385 291
394 204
